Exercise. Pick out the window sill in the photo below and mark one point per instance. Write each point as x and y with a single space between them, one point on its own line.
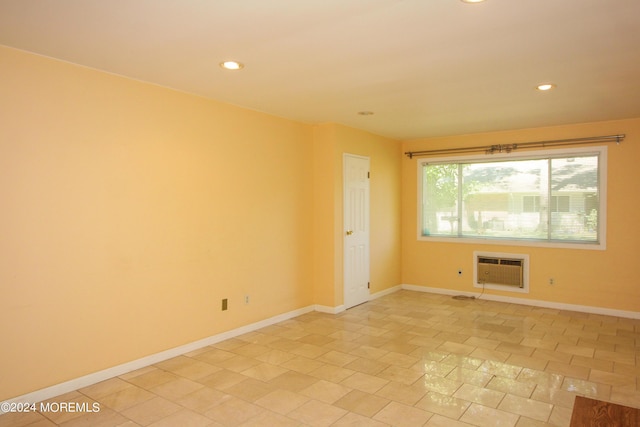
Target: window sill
601 246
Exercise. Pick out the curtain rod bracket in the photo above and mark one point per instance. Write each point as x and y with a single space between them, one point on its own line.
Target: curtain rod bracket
507 148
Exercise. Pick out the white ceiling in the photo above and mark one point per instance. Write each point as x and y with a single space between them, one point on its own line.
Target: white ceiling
425 67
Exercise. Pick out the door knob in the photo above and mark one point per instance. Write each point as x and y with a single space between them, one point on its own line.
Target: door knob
349 232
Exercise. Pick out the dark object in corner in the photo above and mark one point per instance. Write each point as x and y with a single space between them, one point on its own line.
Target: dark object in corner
591 413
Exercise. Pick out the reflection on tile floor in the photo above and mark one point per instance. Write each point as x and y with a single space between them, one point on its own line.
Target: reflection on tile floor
406 359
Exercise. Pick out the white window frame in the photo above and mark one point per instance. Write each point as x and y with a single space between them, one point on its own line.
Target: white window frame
601 151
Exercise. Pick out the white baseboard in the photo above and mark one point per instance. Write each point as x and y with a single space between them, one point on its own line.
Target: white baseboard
384 292
96 377
341 308
329 310
531 302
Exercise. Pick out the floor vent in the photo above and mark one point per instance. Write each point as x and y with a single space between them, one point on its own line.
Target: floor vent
501 271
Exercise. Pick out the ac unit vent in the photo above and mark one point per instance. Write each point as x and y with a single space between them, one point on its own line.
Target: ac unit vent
489 260
500 271
517 262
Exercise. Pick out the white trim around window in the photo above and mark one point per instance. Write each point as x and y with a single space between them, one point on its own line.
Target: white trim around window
503 238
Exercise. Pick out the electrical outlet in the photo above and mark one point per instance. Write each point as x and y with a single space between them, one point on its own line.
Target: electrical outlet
246 299
459 272
552 281
224 304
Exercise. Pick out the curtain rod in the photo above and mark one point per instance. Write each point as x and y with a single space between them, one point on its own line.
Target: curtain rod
507 148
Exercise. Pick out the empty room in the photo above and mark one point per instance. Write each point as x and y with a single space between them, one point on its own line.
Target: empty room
319 213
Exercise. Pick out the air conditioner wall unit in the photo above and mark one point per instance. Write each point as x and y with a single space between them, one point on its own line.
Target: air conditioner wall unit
502 271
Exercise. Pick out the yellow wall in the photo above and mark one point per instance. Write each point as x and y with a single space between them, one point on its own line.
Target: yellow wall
325 216
331 142
584 277
130 210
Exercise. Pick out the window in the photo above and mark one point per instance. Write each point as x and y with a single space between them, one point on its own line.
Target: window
552 197
530 203
560 203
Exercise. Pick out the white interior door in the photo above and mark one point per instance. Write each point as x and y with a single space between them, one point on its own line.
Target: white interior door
356 230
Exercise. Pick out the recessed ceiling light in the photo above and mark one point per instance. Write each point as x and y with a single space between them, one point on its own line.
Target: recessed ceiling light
365 113
231 65
472 1
545 86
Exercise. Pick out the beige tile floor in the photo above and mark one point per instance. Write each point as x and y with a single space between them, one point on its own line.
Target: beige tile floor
407 359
